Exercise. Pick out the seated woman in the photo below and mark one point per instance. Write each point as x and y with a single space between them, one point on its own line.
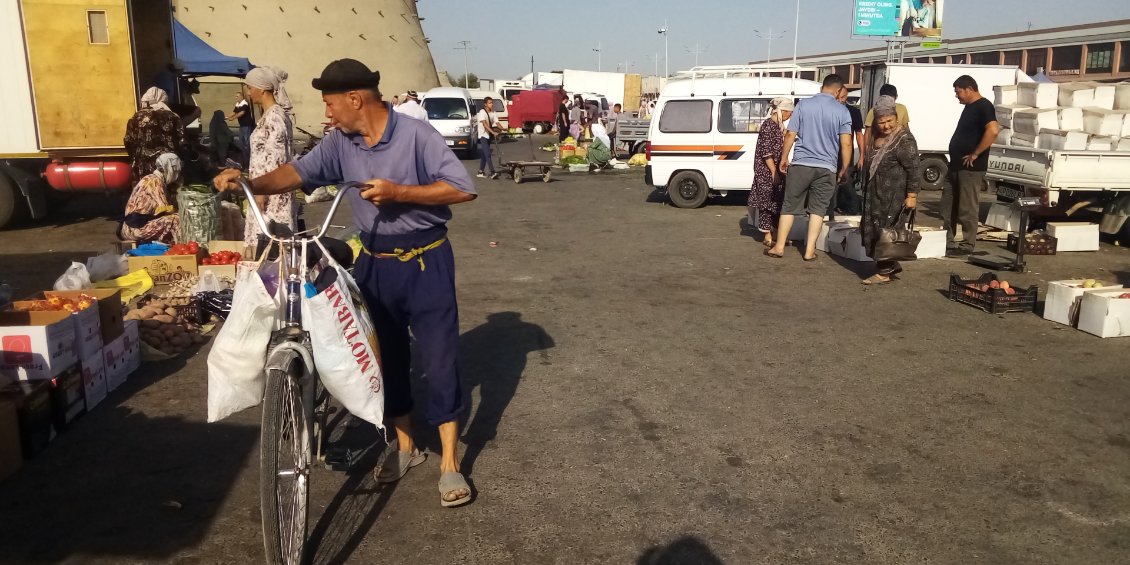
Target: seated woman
600 152
149 214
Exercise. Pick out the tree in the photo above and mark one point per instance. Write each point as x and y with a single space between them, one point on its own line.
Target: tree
467 81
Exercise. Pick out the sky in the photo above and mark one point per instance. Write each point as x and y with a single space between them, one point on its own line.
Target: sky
504 34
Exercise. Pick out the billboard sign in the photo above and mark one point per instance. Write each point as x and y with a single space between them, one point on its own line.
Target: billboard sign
891 19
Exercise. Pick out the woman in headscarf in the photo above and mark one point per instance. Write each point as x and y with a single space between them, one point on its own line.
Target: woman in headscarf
153 130
150 215
270 145
222 137
600 152
891 182
768 191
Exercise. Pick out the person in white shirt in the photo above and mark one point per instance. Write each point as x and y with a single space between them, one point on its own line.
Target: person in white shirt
487 124
411 107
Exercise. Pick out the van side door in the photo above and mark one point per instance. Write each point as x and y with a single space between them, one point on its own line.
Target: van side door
735 143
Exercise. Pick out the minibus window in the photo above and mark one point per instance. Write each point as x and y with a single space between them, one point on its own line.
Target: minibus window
686 116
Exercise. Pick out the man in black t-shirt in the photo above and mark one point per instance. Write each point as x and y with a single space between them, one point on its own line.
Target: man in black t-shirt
562 118
847 200
969 159
242 114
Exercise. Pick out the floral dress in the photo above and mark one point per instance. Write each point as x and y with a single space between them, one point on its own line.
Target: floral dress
271 149
149 216
766 195
884 194
149 133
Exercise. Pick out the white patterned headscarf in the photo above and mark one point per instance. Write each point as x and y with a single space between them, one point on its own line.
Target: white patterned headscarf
155 98
779 105
272 79
168 167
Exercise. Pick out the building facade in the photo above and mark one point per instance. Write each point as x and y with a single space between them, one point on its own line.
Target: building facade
1098 51
303 36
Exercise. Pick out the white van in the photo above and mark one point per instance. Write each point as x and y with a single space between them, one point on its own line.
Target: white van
452 112
704 131
479 98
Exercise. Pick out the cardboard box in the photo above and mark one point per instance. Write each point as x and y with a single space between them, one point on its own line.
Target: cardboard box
11 458
94 380
114 364
1061 305
109 309
933 244
33 411
165 269
131 347
1003 217
87 331
1074 236
67 401
1104 314
1038 94
36 345
847 242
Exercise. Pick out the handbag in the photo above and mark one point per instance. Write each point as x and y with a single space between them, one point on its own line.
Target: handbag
900 241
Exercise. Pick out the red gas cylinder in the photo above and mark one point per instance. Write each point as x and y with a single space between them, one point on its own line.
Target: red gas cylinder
89 175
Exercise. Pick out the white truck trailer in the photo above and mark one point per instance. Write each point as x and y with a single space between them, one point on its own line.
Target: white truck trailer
927 92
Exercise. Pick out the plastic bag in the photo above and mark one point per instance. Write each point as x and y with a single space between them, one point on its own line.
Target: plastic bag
76 277
208 282
638 160
132 285
345 346
320 194
106 266
239 355
199 214
231 221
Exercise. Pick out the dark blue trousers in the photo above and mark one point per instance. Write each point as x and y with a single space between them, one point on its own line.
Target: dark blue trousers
405 296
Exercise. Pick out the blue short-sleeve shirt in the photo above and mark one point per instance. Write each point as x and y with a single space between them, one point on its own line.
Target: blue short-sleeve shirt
818 122
410 152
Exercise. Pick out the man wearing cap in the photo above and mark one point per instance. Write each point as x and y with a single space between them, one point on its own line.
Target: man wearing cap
411 107
407 268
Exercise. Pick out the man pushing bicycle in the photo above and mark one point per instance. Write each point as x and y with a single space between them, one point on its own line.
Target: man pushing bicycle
407 268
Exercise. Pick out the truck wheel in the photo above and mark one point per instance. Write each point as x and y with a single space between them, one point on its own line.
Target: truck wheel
539 129
688 189
639 147
10 204
934 171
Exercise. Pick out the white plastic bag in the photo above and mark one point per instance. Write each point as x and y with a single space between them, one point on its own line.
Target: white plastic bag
208 282
106 266
239 355
76 277
345 346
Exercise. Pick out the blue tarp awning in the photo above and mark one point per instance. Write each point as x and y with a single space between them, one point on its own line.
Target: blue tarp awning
201 59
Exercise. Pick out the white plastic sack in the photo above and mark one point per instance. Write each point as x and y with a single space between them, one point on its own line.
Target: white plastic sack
76 277
239 355
208 282
106 266
345 346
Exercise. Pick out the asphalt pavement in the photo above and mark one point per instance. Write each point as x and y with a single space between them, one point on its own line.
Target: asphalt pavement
645 387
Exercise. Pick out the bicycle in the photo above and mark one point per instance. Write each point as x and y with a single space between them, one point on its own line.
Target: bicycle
295 404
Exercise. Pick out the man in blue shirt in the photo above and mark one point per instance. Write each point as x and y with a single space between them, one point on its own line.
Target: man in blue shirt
407 269
820 128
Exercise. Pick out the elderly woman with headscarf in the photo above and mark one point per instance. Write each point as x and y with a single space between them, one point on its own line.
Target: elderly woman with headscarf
149 214
890 182
153 130
768 190
270 145
600 151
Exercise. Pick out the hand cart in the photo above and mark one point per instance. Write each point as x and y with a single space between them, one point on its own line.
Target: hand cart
518 170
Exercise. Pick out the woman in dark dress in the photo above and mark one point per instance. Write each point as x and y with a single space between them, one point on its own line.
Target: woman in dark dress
891 183
151 132
768 189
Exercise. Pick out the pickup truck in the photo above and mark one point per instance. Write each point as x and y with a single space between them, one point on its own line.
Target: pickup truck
633 131
1067 180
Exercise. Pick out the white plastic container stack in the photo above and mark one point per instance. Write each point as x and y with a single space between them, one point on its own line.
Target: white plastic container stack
1101 143
1122 144
1122 96
1038 94
1024 140
1004 95
1004 136
1030 121
1104 95
1076 95
1006 112
1099 121
1071 119
1057 139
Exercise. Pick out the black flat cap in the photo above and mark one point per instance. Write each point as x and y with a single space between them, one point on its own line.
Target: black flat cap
346 74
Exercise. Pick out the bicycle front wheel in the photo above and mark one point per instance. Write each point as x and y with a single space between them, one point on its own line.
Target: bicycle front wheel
285 461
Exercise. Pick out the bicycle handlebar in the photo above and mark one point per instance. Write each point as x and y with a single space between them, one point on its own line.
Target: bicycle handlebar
263 227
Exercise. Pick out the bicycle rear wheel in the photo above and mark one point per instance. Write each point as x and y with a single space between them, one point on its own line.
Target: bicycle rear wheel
284 466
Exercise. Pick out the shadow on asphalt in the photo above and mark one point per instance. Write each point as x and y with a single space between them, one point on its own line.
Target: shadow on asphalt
32 273
684 551
351 514
157 497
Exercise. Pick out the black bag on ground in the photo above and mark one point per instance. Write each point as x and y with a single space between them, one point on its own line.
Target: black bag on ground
900 241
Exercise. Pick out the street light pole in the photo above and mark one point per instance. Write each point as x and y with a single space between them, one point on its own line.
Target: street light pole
666 54
465 46
796 38
597 57
770 36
